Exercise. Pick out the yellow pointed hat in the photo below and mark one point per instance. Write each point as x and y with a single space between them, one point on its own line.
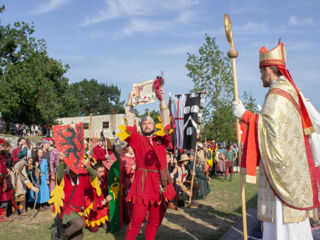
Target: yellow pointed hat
275 56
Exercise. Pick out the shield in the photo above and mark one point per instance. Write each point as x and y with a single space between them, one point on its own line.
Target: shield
70 141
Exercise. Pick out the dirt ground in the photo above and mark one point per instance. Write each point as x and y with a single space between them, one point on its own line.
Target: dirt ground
209 220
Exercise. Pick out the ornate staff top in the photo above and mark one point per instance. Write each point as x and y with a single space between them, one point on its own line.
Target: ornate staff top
227 26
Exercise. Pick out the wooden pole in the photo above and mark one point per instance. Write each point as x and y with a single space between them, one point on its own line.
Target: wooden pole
233 54
90 133
195 151
194 173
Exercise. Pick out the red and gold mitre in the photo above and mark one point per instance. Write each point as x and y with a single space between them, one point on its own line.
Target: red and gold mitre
275 56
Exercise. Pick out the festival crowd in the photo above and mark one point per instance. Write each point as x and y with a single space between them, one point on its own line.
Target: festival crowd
280 140
29 174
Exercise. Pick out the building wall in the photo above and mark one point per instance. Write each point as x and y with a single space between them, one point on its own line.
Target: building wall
106 123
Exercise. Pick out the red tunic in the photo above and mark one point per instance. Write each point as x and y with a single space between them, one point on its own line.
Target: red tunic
150 159
128 172
99 153
99 214
14 155
4 196
80 196
109 163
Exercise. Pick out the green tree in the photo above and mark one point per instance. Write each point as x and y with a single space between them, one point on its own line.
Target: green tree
154 114
96 98
211 71
33 89
249 102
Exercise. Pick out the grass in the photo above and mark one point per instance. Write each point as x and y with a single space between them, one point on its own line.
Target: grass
216 214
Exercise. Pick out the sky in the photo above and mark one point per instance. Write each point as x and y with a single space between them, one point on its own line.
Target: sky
123 42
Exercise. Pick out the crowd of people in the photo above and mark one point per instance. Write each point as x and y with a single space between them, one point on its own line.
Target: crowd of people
23 129
29 174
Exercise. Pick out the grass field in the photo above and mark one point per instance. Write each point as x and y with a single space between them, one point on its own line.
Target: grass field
215 215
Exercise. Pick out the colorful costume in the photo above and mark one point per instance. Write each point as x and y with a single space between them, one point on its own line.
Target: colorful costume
128 169
99 153
44 194
54 162
99 214
72 196
287 176
145 192
20 181
4 186
230 155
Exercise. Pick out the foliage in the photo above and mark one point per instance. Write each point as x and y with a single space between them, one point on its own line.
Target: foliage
249 102
34 81
96 98
211 71
33 88
154 114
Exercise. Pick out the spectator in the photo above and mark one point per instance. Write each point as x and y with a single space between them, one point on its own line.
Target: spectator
44 194
17 150
2 124
128 169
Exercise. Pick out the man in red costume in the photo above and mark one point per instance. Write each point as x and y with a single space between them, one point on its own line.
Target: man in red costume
99 215
70 198
278 137
4 182
100 152
152 184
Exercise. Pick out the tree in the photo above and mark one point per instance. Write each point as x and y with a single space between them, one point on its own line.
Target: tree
96 98
249 102
154 114
33 89
211 71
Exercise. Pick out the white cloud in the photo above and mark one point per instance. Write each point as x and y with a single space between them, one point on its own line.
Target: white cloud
50 6
300 22
252 28
135 8
140 26
185 16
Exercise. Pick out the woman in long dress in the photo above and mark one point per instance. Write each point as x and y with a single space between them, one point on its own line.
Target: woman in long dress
44 194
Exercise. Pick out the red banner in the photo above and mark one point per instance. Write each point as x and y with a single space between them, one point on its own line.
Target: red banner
70 141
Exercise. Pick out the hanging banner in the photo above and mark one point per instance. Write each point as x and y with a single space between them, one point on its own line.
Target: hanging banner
114 189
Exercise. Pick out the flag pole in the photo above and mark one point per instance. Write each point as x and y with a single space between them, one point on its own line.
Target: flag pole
90 133
195 150
233 54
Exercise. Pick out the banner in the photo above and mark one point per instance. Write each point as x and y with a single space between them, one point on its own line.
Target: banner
192 115
114 189
177 103
70 141
145 93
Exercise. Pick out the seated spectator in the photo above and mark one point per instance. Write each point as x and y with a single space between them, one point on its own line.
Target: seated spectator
183 183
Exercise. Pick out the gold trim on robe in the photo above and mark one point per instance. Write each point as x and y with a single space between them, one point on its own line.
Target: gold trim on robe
283 156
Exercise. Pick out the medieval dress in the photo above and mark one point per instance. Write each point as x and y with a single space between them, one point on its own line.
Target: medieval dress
283 199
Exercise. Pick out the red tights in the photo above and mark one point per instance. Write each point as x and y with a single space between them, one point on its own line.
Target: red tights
139 213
